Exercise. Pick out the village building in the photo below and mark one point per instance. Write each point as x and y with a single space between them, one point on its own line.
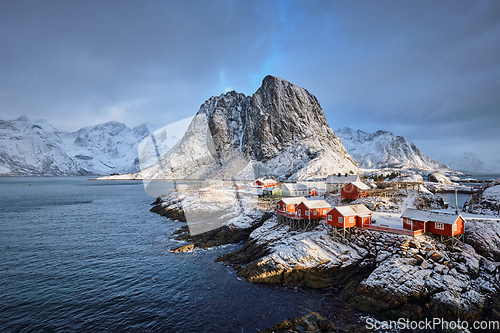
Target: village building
439 223
334 183
354 191
294 190
313 209
271 192
289 205
237 187
263 183
204 191
349 216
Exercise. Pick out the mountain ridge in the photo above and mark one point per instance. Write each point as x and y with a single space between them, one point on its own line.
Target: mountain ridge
383 149
279 131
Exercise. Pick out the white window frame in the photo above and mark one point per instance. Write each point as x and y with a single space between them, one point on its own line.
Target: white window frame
329 218
341 220
351 219
279 206
307 213
439 225
315 212
299 212
455 227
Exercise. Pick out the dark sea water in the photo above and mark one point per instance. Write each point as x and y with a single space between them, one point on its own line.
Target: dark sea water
88 256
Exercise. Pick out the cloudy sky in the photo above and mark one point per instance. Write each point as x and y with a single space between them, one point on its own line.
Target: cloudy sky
426 70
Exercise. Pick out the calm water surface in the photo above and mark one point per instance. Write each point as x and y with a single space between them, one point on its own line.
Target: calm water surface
80 256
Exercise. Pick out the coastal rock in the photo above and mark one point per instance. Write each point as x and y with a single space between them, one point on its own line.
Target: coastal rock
438 177
485 201
311 322
389 275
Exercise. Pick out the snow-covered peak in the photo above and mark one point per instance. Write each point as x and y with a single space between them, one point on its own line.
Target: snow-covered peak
280 130
383 149
33 147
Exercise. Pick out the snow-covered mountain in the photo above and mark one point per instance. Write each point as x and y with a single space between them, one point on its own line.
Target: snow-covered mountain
32 147
470 162
383 149
281 131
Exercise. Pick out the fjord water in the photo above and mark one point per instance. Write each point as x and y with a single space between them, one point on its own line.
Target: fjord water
80 256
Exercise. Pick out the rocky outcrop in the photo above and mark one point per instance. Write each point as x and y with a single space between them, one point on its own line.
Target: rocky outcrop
437 177
281 130
389 275
311 322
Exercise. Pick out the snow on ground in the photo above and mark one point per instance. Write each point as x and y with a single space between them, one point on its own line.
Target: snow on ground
392 220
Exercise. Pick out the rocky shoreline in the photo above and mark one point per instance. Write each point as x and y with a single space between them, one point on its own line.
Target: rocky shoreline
386 275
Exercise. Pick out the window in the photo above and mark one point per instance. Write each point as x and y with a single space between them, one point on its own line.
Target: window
455 227
307 212
341 220
329 217
315 212
299 212
278 206
351 219
439 225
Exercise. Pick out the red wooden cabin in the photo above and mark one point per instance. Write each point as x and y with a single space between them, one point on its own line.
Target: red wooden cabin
349 216
438 223
354 190
289 204
313 209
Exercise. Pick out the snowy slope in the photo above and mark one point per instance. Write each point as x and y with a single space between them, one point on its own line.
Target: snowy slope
470 162
34 147
280 131
383 149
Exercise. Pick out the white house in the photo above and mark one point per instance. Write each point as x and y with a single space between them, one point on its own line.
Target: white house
334 183
294 190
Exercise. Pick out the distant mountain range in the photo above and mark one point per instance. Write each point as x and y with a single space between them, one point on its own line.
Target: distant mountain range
383 149
33 147
279 131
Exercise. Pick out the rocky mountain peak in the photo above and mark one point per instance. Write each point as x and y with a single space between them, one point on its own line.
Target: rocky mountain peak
280 130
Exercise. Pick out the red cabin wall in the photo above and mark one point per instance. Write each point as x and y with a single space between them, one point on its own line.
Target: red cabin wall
349 192
335 218
362 221
302 208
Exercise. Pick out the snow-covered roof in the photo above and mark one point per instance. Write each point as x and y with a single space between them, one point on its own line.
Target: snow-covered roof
295 186
361 186
313 204
342 179
293 201
426 215
359 210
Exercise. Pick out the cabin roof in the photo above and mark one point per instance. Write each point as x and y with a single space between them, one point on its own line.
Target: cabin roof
295 186
359 210
342 179
430 216
314 204
293 201
360 185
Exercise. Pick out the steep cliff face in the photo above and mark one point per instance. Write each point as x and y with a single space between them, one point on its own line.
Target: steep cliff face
383 149
281 131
